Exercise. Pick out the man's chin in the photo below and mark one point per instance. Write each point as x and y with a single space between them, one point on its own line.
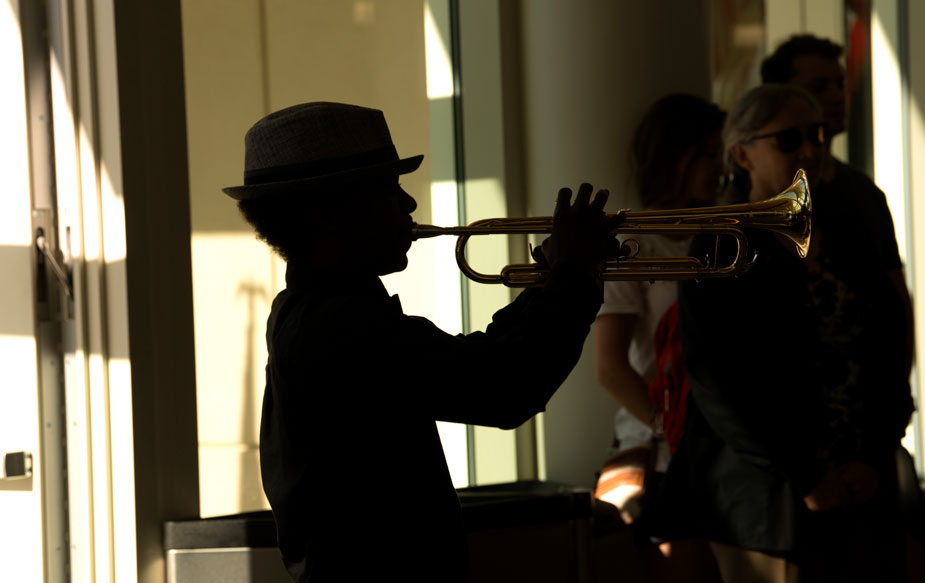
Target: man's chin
394 266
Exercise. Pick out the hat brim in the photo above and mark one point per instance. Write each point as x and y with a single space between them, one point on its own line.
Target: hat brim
392 167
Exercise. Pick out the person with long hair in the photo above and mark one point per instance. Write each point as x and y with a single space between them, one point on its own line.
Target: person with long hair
676 161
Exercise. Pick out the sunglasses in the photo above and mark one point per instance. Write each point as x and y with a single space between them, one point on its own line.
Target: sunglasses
790 139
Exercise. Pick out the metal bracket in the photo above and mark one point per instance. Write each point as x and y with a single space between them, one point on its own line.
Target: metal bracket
17 465
63 278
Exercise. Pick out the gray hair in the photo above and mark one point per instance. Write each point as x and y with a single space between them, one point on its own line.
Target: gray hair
758 108
754 110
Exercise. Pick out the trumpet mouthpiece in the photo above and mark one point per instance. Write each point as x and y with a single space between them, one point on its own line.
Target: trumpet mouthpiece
425 231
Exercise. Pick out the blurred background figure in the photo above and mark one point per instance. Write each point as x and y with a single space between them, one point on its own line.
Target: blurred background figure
799 396
846 202
676 161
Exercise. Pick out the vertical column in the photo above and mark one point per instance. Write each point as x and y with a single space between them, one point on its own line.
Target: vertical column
493 455
892 133
889 111
782 19
150 176
590 69
916 275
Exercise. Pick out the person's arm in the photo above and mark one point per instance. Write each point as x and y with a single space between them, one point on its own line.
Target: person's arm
613 335
836 489
505 375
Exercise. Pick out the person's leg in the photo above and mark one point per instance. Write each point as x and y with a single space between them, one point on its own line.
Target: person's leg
681 561
737 564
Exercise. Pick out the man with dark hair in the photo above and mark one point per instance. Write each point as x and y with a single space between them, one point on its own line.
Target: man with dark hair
811 63
846 203
350 457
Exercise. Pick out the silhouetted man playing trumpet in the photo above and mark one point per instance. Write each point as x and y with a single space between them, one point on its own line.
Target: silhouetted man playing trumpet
350 456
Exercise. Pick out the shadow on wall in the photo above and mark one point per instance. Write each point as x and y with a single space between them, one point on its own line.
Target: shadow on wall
15 260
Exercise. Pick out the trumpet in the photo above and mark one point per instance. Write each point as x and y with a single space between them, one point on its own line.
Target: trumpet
788 214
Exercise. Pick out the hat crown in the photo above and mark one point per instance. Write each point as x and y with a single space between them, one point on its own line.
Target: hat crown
312 146
314 132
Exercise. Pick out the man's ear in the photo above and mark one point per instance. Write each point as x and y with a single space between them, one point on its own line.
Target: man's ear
740 156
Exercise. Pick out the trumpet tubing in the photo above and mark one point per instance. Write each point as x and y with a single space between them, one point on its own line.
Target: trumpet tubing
788 214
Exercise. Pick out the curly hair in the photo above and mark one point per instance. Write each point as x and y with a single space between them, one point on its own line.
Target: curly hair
285 220
280 221
778 67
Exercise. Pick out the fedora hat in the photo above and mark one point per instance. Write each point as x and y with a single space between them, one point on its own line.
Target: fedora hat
314 145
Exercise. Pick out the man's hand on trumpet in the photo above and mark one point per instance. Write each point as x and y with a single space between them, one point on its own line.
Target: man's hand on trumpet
582 233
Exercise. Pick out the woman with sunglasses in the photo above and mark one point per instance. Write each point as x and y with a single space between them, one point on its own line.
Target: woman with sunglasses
796 401
772 132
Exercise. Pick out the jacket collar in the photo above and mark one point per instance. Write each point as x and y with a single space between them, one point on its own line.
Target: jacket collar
300 277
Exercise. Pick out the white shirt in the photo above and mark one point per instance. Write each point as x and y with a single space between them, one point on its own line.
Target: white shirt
649 301
646 300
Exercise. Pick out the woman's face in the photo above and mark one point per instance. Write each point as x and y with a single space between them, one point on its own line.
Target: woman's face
776 151
700 171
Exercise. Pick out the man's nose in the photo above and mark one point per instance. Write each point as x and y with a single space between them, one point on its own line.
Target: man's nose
408 204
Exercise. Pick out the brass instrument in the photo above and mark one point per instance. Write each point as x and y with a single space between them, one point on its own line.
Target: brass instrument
788 214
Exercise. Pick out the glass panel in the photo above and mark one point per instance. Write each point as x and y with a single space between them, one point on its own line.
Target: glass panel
857 86
738 47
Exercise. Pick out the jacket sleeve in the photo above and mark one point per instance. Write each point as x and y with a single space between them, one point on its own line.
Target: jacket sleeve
503 376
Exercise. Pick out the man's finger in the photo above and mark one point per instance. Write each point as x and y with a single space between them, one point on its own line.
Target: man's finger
584 194
563 201
600 199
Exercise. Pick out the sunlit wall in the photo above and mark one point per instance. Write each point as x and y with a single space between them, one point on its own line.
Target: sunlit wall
244 60
20 500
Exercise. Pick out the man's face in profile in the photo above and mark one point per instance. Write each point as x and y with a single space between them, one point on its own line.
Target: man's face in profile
824 78
382 217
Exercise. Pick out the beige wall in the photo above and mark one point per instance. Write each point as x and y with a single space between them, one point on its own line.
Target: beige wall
244 60
20 500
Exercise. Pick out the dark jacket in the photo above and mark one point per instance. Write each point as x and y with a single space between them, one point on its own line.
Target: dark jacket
351 460
768 360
